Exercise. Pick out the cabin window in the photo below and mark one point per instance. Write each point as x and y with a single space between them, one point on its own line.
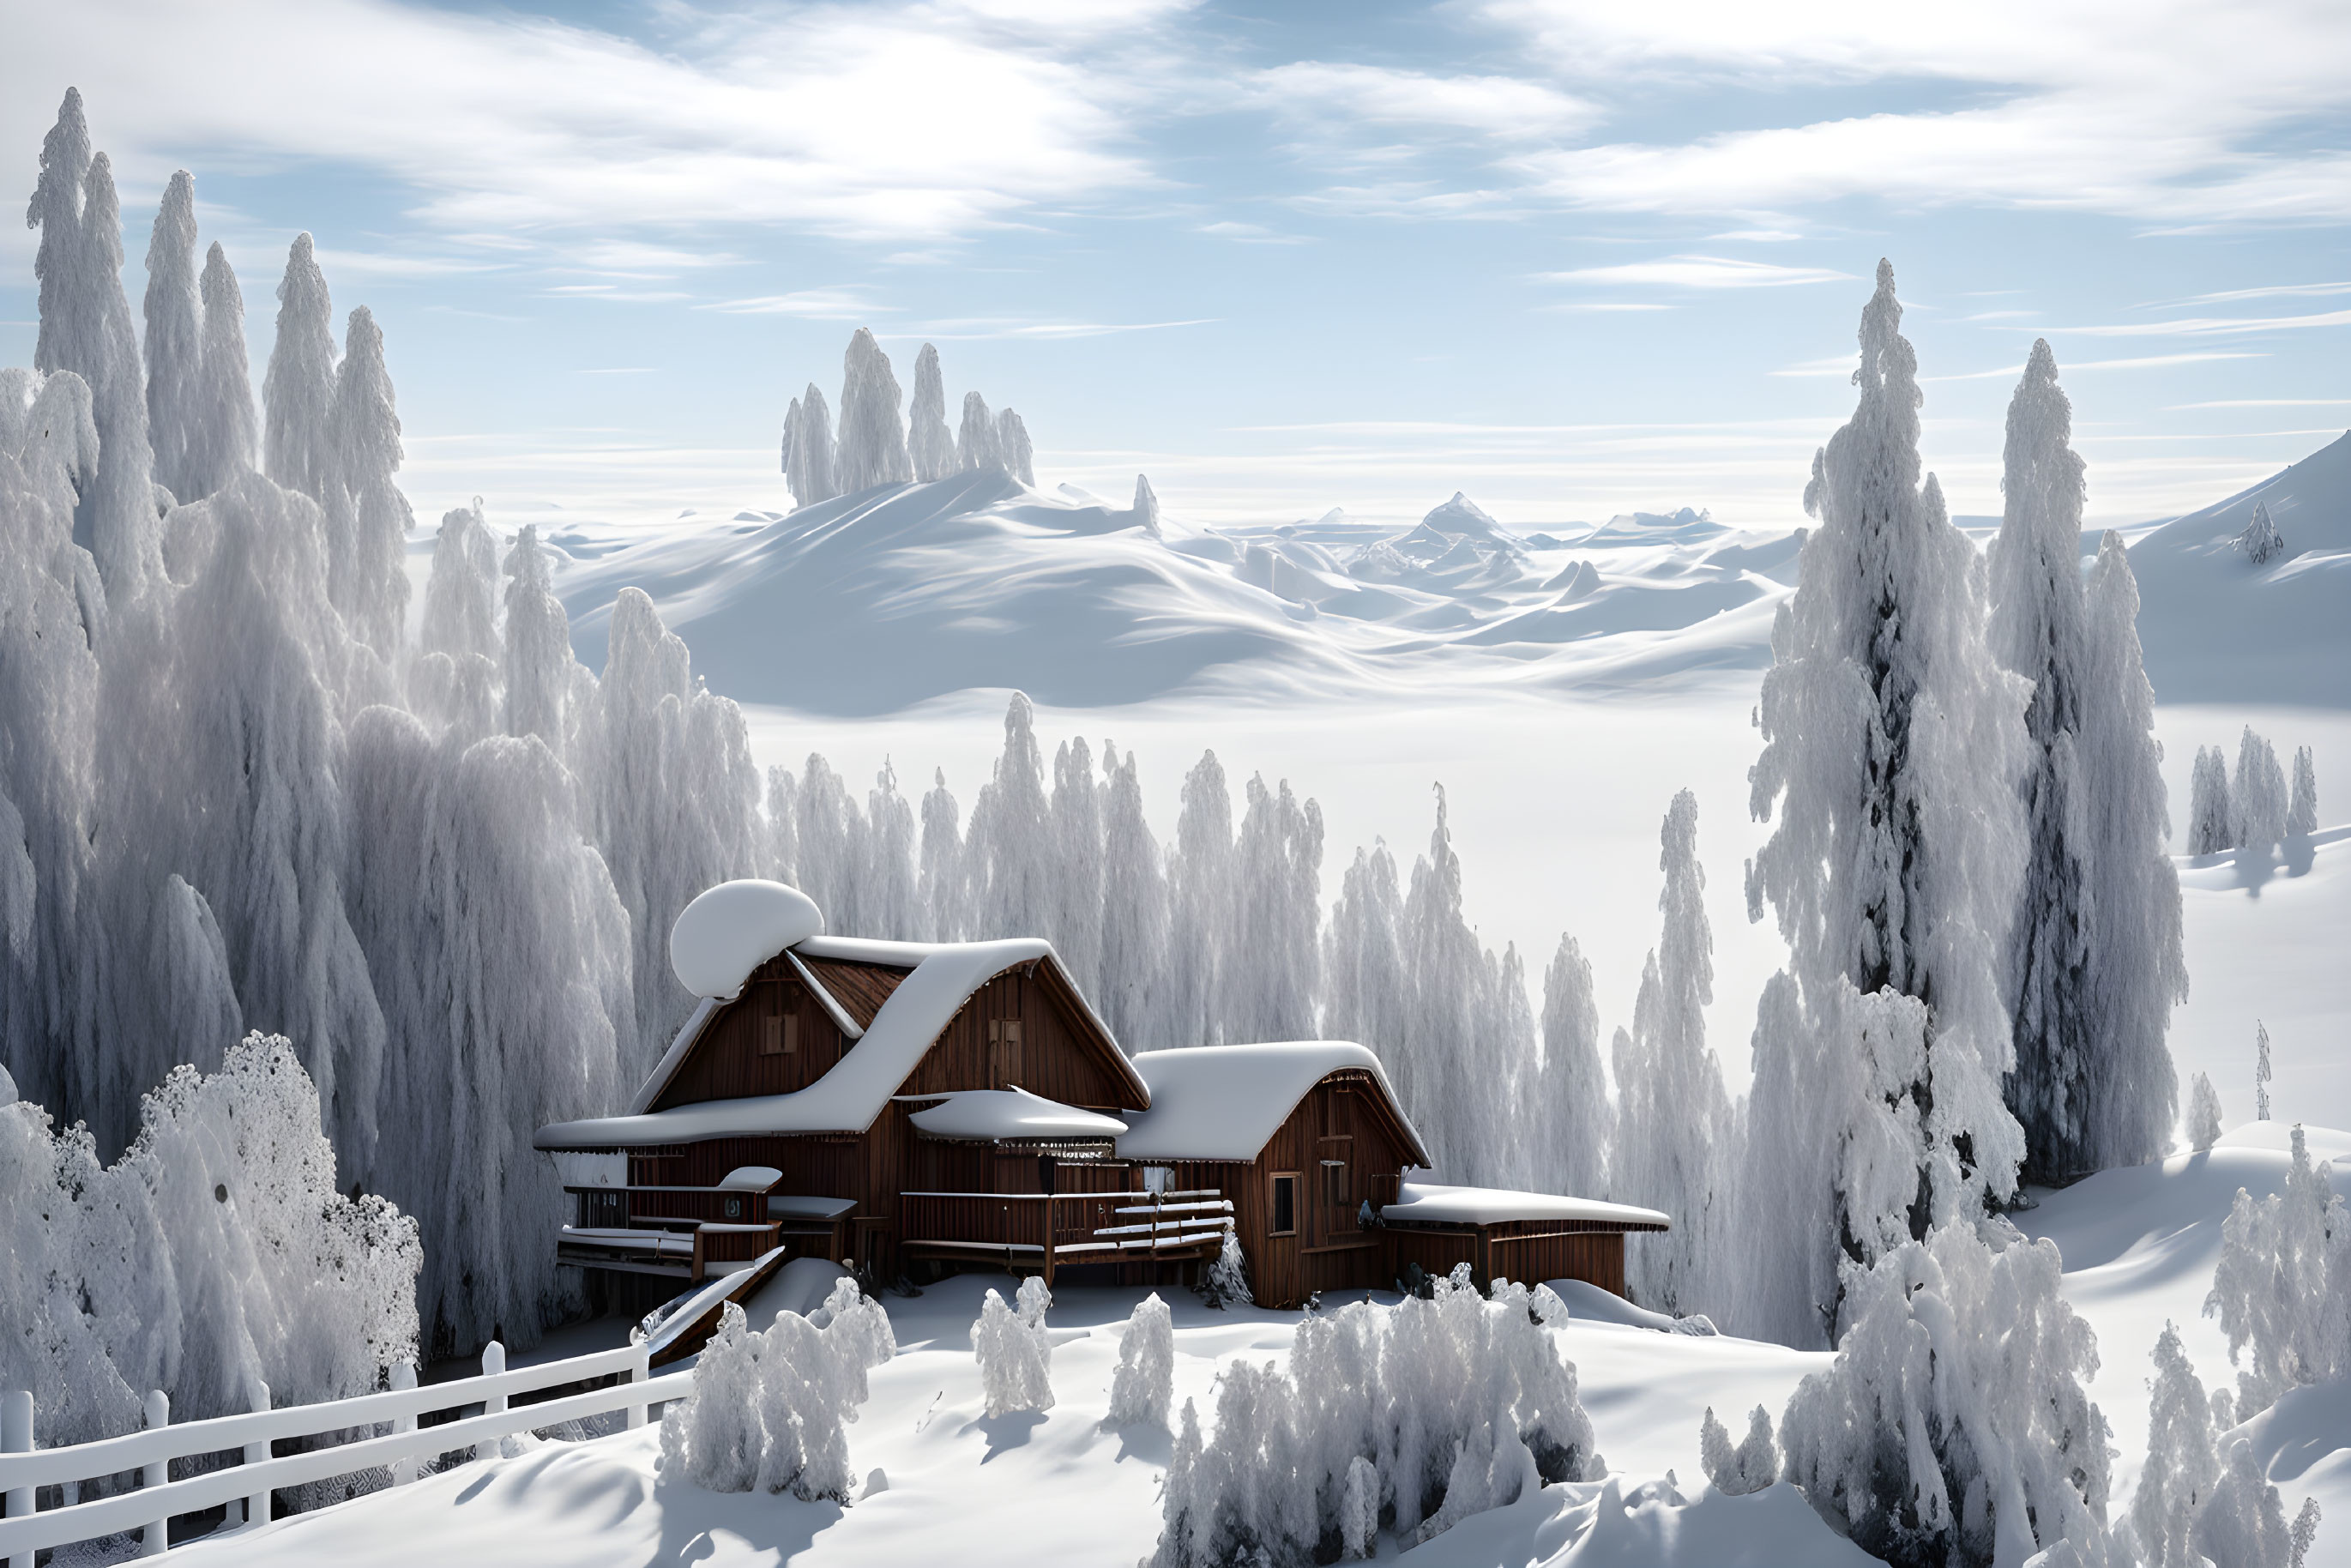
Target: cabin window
779 1032
1003 1051
1158 1179
1334 1184
1285 1205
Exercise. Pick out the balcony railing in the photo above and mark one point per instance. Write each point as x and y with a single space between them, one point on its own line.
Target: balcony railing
1045 1229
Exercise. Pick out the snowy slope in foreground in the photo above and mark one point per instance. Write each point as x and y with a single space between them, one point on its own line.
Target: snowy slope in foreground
872 602
946 1485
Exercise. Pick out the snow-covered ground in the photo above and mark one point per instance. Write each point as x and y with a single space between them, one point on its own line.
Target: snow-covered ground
944 1483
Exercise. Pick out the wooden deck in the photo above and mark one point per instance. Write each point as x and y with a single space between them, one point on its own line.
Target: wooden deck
1047 1230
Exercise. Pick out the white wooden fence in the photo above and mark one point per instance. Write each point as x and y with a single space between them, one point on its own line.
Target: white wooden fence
245 1487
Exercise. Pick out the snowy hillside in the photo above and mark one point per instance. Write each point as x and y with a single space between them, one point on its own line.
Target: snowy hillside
877 601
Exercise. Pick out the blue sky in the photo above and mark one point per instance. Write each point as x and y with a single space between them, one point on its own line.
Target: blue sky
1573 258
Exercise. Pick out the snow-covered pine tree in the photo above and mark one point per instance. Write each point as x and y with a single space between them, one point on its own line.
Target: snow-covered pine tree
2260 540
808 449
872 449
298 389
1146 505
1077 830
2258 790
2203 1113
2261 1071
2282 1287
930 446
1014 449
368 517
461 588
890 859
175 341
976 443
546 686
1676 1147
1134 910
1199 894
1366 994
1577 1120
1892 744
2302 812
2183 1460
2211 820
940 885
1008 847
224 438
1274 965
86 328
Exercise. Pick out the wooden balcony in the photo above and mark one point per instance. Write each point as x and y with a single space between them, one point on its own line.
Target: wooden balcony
691 1233
1045 1231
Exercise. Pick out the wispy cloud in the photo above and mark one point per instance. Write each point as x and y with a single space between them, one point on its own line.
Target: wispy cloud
2207 326
1700 272
2263 402
2266 291
1597 305
978 330
809 303
1509 108
1251 234
613 291
2142 362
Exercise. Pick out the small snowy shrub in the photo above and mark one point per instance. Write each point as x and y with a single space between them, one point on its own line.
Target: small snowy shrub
1953 1427
2182 1459
768 1410
1409 1418
1144 1384
2203 1113
1751 1466
2244 1524
2282 1286
1015 1351
2301 810
214 1253
2259 790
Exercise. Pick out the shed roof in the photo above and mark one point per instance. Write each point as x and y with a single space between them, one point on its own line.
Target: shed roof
996 1115
1427 1203
1226 1101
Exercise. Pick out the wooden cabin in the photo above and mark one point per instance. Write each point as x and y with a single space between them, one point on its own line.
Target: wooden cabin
918 1107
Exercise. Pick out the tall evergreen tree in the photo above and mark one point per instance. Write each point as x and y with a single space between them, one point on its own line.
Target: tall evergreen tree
368 517
298 391
1577 1118
872 449
930 446
976 444
175 341
224 436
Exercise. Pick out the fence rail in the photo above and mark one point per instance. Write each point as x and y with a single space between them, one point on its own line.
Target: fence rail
150 1507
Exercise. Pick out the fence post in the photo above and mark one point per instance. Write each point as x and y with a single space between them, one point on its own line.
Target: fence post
156 1538
641 1369
16 1438
256 1502
403 1377
494 1363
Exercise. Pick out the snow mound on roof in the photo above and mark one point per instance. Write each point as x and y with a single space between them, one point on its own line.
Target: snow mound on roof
990 1115
1225 1101
1427 1203
731 929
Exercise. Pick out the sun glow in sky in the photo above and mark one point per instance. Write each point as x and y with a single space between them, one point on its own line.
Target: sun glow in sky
1574 257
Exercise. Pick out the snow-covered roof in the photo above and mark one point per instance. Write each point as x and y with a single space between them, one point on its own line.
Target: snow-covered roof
994 1114
1427 1203
731 929
850 1095
674 1057
1226 1101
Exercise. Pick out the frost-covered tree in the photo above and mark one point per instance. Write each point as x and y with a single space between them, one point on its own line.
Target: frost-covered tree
2260 540
2244 1524
223 436
1014 449
2182 1459
2261 1071
545 684
1199 891
298 389
2302 812
768 1410
1146 505
1077 830
1366 992
2282 1286
1931 1441
1748 1468
1144 1385
939 880
1677 1144
1273 964
2203 1114
2258 790
86 328
1574 1129
930 446
461 590
1008 848
1135 919
1015 1349
175 341
2211 820
890 858
872 449
809 466
217 1252
369 520
975 442
1892 747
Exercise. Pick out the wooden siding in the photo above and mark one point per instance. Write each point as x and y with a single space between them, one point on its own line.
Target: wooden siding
860 988
727 1062
1528 1252
1062 1056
